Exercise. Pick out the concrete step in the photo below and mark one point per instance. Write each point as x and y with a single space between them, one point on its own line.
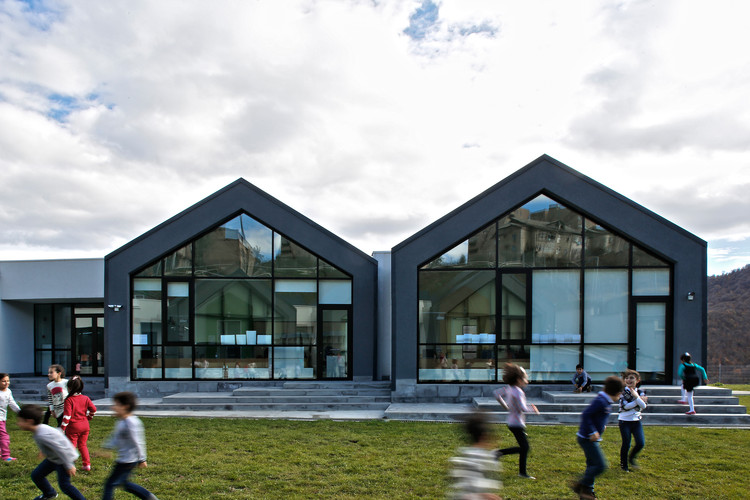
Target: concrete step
233 406
492 405
273 392
278 397
652 399
34 389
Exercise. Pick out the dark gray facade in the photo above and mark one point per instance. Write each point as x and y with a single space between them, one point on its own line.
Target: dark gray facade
238 197
685 252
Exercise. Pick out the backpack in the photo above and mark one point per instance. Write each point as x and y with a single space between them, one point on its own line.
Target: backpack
690 372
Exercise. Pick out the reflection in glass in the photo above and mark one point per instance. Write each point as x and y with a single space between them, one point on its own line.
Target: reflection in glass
604 248
239 247
231 362
147 362
514 306
542 233
605 309
291 260
650 322
555 307
63 326
650 282
43 327
327 270
335 337
478 251
147 317
154 270
457 307
178 312
335 292
178 362
295 312
237 308
601 361
294 362
642 258
179 263
553 362
516 354
457 363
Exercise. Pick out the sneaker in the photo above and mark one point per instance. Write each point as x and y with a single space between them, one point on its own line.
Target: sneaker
498 454
42 497
526 476
691 412
682 402
86 467
624 468
10 459
634 465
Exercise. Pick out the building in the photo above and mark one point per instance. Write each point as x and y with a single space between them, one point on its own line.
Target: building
547 268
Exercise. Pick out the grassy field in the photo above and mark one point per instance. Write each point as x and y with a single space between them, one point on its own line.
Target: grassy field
223 458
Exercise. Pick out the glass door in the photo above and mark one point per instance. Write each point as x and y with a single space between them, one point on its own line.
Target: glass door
333 340
89 341
650 340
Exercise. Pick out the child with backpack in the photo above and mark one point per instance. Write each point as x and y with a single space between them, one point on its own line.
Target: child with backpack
691 375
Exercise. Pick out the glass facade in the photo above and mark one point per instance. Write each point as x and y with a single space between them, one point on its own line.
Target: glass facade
547 288
241 302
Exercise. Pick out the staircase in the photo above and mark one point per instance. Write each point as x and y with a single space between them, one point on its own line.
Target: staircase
34 389
715 406
289 396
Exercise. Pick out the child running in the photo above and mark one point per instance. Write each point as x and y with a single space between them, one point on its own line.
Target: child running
130 441
632 403
60 455
474 470
593 422
6 400
691 374
78 411
57 391
513 398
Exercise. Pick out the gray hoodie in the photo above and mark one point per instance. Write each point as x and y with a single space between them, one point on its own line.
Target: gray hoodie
55 446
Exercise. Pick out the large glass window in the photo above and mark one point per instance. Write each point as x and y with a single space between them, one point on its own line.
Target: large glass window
555 306
542 233
606 306
477 252
457 307
240 247
564 286
240 302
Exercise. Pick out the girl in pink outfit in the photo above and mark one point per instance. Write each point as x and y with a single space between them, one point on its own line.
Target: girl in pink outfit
6 400
513 398
78 411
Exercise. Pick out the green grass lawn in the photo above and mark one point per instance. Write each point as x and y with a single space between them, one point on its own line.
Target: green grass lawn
744 400
222 458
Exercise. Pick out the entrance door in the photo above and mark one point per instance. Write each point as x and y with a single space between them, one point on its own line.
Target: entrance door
650 340
333 341
89 341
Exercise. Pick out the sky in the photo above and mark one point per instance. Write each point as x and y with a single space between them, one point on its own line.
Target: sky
372 118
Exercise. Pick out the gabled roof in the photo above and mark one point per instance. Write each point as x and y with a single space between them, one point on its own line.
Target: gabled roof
238 197
547 176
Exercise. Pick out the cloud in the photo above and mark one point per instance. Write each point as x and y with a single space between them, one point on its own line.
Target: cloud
372 118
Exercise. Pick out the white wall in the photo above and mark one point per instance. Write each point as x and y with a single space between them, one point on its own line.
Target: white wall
25 283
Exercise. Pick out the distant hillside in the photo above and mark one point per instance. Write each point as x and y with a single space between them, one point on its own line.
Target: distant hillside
729 318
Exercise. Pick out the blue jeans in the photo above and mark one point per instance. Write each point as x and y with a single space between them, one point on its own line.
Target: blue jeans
628 429
119 477
39 476
596 463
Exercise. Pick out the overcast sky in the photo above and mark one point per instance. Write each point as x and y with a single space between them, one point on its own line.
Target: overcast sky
372 118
